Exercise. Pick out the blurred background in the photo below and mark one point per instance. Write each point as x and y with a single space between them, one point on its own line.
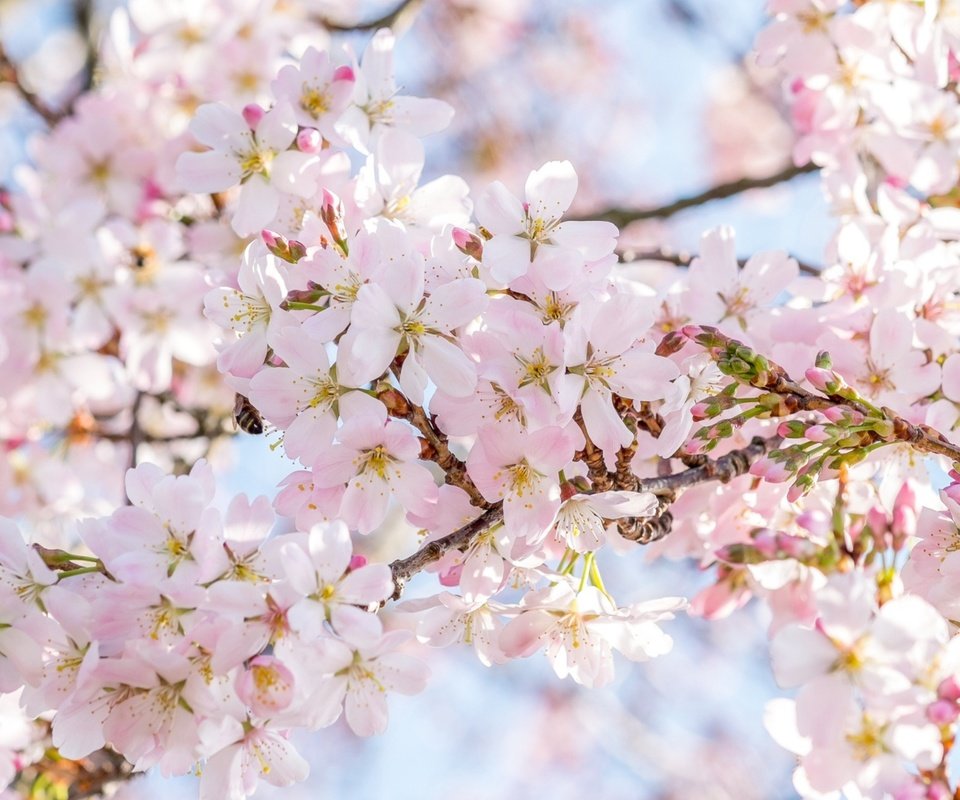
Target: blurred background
652 100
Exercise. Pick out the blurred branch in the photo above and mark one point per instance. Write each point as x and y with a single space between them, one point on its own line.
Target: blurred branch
683 259
83 13
404 11
624 216
10 74
723 469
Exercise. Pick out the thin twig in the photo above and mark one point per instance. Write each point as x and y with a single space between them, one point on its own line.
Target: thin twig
10 74
683 259
405 568
393 18
622 217
83 13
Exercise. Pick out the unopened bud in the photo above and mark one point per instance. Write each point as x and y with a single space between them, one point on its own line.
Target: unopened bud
309 140
949 689
942 712
819 433
357 561
823 360
331 212
290 250
344 73
252 114
468 243
794 429
826 380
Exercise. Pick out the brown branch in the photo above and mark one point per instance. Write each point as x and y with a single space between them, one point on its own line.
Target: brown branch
83 13
434 446
405 568
10 74
683 259
723 469
405 10
622 217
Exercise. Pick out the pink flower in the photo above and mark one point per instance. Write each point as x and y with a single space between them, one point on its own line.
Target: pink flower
361 676
258 158
522 469
394 313
532 236
316 89
318 568
377 459
252 752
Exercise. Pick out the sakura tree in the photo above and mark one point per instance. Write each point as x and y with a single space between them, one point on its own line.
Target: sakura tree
488 399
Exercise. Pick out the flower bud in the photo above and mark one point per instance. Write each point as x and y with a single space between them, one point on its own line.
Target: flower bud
826 380
949 689
356 562
252 114
344 73
672 343
331 212
468 243
309 140
942 712
818 433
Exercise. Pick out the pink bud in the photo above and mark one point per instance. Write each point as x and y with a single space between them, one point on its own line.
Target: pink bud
309 140
836 413
270 239
252 114
468 243
344 73
699 411
877 520
817 433
331 212
826 380
904 524
692 331
942 712
266 686
357 561
949 689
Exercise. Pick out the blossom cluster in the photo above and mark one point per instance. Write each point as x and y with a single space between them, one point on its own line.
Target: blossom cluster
195 635
218 220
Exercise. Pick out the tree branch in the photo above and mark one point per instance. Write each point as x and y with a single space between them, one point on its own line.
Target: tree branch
10 74
683 259
622 217
404 568
434 445
723 469
404 10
